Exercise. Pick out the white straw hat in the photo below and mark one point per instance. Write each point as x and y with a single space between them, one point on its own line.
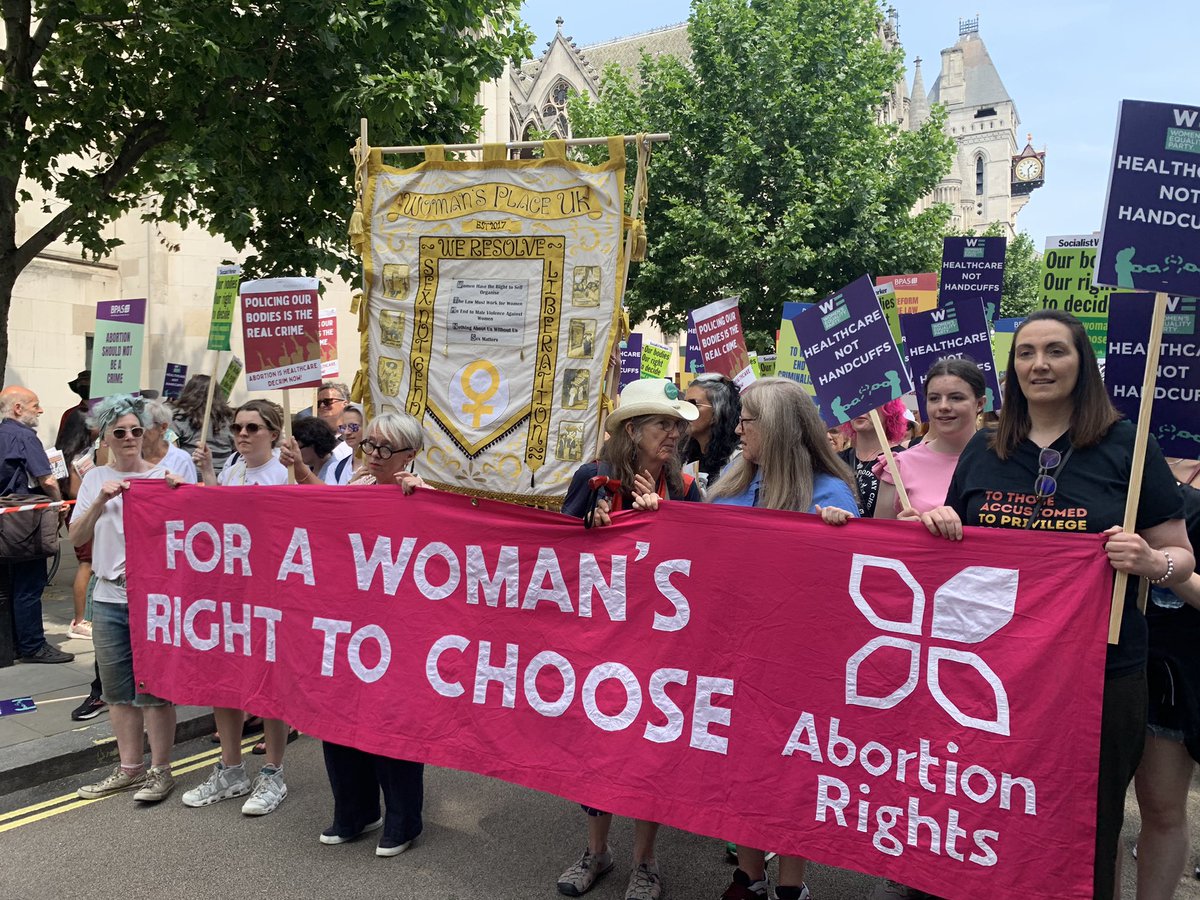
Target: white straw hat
650 397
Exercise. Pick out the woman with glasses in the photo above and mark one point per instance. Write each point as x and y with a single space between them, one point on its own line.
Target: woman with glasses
350 429
256 428
786 463
640 457
1059 459
712 437
355 776
954 396
121 421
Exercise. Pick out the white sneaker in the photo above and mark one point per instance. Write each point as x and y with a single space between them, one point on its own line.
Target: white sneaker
224 783
269 791
81 629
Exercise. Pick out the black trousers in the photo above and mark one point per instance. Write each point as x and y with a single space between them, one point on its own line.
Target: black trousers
1122 739
356 778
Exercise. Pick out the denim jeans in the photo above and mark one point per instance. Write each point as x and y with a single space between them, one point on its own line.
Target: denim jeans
28 582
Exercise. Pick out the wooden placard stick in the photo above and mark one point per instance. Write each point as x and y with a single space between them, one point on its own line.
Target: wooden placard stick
212 387
1145 403
287 430
890 457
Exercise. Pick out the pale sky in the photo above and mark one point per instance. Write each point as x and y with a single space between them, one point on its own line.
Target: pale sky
1065 63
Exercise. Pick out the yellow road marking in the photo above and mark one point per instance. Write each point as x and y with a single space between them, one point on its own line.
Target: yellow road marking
29 814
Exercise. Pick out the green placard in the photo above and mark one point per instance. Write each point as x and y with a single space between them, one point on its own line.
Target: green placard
1067 268
656 359
766 365
232 374
224 300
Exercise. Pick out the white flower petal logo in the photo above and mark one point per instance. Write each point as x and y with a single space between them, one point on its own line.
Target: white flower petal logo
969 608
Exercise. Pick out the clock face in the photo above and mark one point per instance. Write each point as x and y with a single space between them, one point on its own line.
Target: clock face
1029 169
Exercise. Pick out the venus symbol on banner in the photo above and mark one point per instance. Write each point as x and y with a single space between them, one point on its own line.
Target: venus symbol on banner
969 608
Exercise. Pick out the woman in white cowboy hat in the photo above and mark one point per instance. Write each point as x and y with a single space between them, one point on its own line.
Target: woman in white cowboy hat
644 433
642 454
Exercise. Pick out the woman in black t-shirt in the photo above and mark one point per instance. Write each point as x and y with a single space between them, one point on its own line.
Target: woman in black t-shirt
1060 459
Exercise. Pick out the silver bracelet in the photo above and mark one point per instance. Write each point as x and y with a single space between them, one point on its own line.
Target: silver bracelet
1167 574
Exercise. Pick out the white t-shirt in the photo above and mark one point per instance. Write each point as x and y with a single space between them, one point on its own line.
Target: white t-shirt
179 462
330 471
238 473
108 539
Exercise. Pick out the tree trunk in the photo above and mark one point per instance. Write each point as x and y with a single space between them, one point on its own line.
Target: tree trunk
8 280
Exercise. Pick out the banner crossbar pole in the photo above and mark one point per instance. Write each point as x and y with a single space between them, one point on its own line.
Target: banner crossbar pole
528 145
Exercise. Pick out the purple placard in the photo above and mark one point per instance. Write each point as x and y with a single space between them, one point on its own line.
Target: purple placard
973 267
17 705
693 358
631 361
131 312
850 353
174 380
956 328
1175 415
1151 236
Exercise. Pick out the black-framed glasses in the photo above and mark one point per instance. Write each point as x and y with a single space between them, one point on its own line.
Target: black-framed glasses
1045 485
327 402
384 451
120 433
742 420
248 427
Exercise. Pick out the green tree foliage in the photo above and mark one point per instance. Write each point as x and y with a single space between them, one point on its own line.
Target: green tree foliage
779 182
237 117
1022 277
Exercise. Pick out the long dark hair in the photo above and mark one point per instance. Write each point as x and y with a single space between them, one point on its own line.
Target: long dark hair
191 403
1092 413
726 402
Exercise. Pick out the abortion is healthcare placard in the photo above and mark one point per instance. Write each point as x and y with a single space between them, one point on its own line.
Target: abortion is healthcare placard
957 328
973 267
850 353
1175 415
1151 237
281 331
907 711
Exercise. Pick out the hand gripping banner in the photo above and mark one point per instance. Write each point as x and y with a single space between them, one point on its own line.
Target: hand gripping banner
870 697
493 290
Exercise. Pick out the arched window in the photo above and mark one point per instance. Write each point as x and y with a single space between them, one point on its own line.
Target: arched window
978 176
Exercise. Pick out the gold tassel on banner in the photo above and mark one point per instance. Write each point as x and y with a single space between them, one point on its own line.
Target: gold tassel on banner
357 230
637 227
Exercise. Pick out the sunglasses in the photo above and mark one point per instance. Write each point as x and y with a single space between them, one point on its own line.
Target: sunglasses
120 433
248 427
327 402
352 427
384 451
1045 485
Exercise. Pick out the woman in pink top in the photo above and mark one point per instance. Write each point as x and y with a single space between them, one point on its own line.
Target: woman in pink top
954 398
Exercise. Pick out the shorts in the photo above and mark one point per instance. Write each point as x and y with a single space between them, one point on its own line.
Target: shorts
83 552
114 656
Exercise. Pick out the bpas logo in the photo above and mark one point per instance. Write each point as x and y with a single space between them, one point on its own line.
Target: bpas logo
834 312
944 321
969 608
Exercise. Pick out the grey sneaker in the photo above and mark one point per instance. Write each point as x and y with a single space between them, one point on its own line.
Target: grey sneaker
644 883
580 877
223 783
269 791
158 785
118 781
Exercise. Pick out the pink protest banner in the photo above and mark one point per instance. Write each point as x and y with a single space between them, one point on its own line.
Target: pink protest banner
280 327
329 345
870 697
722 342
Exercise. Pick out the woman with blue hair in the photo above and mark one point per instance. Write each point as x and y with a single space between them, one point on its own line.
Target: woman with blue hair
121 422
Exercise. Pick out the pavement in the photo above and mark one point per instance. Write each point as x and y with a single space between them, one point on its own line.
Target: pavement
40 746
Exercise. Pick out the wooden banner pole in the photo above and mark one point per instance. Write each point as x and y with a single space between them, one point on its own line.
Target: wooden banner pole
212 387
890 457
1145 404
287 429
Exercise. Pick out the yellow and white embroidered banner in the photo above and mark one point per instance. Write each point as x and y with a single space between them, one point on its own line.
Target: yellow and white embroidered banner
493 301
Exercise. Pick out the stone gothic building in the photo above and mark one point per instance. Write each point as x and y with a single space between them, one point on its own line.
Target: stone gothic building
990 178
